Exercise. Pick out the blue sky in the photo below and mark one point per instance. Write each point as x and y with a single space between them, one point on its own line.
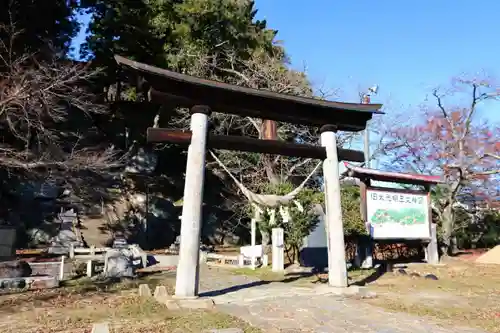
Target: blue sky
406 47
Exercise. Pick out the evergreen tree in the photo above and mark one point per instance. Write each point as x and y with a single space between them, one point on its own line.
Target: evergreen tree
174 33
36 27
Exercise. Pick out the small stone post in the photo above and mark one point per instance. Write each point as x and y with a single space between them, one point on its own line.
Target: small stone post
187 279
241 261
368 262
100 328
337 270
253 227
61 269
278 250
89 269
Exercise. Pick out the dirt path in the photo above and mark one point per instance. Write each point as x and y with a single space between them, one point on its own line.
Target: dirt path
281 307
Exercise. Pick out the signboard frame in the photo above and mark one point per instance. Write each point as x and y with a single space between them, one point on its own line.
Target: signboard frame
396 191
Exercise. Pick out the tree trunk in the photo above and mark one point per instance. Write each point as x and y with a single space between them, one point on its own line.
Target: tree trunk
454 244
266 240
447 225
296 253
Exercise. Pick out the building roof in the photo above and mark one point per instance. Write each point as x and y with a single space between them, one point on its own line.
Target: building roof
184 90
393 177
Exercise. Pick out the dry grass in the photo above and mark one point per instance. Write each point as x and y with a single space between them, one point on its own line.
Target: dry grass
465 294
302 279
74 309
263 273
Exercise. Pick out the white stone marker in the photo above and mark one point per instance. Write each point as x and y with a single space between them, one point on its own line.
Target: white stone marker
253 228
278 250
337 270
187 279
100 328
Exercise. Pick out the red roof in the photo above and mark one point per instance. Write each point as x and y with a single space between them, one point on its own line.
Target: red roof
396 177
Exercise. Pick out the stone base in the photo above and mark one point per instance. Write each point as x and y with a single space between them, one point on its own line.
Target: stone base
175 297
171 304
176 303
356 291
200 303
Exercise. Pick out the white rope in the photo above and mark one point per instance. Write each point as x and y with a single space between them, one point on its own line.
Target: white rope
266 200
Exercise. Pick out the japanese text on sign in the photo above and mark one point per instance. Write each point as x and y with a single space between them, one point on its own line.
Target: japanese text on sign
396 198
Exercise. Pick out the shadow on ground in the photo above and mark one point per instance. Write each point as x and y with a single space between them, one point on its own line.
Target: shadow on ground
234 288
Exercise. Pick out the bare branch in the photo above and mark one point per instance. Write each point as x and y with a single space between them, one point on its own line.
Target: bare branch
46 115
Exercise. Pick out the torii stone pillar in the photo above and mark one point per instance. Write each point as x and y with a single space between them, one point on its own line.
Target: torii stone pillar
187 279
337 270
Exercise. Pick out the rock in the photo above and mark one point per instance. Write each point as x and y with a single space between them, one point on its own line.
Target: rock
431 277
118 265
14 269
144 290
366 294
160 292
401 271
297 269
38 236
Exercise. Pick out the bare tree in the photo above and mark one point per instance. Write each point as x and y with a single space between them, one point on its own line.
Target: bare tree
450 141
46 117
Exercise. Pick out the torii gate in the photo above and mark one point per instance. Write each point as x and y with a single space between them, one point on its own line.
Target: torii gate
201 97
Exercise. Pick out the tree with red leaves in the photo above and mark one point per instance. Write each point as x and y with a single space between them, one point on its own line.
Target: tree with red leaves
453 142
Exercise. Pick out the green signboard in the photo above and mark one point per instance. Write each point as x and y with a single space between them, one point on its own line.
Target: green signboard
397 215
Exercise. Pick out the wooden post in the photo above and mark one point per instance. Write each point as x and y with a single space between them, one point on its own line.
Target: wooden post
269 130
187 279
365 246
337 268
